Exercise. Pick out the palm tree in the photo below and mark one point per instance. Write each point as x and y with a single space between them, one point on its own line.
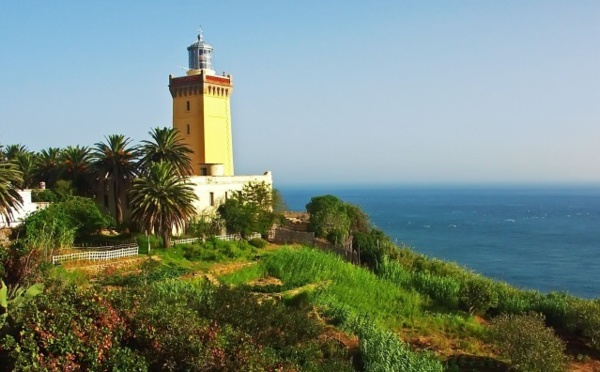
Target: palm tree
161 201
25 162
10 199
12 151
76 165
48 166
167 145
115 160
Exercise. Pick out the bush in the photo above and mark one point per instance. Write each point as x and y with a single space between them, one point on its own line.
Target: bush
215 249
443 290
478 295
154 240
47 195
530 345
586 320
257 242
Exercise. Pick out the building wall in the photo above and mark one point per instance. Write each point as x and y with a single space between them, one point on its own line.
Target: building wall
194 118
201 113
221 188
217 128
26 209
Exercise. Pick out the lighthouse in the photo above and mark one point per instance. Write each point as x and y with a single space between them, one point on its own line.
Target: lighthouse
201 112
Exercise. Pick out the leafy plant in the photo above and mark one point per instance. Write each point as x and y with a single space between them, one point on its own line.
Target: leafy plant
477 295
530 345
257 242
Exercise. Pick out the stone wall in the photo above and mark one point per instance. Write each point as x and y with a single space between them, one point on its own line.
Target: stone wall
281 235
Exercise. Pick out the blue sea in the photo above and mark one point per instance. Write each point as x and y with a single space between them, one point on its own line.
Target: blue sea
537 238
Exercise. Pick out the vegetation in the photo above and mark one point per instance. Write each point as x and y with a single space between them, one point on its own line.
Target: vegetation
115 161
161 202
249 210
528 343
47 230
166 146
259 308
10 178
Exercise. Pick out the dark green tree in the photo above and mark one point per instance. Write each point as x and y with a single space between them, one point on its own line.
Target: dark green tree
329 218
249 210
26 162
115 163
48 167
166 145
160 201
12 151
77 168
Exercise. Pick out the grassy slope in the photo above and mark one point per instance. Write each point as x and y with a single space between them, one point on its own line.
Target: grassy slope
378 310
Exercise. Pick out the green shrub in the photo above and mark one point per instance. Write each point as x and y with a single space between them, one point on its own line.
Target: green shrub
514 301
585 318
154 240
443 290
382 351
46 195
556 307
214 249
530 345
478 295
257 242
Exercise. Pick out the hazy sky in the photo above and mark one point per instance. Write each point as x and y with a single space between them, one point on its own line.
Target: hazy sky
325 91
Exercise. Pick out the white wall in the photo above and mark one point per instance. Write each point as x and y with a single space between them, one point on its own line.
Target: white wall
27 208
220 185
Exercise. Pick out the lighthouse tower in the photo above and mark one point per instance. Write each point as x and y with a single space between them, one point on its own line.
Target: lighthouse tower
201 112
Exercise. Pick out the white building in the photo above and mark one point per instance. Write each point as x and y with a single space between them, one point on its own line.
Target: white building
26 209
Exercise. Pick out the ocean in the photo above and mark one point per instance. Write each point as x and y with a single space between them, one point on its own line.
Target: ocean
535 238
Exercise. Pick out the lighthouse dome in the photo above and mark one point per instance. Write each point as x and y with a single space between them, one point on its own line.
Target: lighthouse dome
200 56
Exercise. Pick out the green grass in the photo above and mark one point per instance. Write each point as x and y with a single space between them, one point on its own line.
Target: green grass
347 284
244 275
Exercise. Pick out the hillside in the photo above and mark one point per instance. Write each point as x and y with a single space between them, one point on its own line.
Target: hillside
232 306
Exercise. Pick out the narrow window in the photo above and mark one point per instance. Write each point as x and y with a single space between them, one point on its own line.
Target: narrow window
188 129
203 171
212 199
187 105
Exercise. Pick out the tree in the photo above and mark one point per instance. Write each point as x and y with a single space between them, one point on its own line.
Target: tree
239 217
115 161
329 218
10 178
48 166
167 145
76 163
249 210
26 163
161 201
11 152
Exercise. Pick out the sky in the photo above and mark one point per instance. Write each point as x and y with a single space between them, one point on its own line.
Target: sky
325 92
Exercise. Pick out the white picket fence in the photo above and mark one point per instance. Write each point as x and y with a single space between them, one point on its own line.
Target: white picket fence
125 250
230 237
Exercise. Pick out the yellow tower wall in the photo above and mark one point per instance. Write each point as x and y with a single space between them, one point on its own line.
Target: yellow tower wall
217 129
201 113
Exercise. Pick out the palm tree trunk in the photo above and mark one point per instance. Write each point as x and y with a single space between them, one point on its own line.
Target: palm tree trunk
118 206
166 237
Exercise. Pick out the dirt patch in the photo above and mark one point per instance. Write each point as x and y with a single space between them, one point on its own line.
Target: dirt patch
129 264
263 282
222 269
